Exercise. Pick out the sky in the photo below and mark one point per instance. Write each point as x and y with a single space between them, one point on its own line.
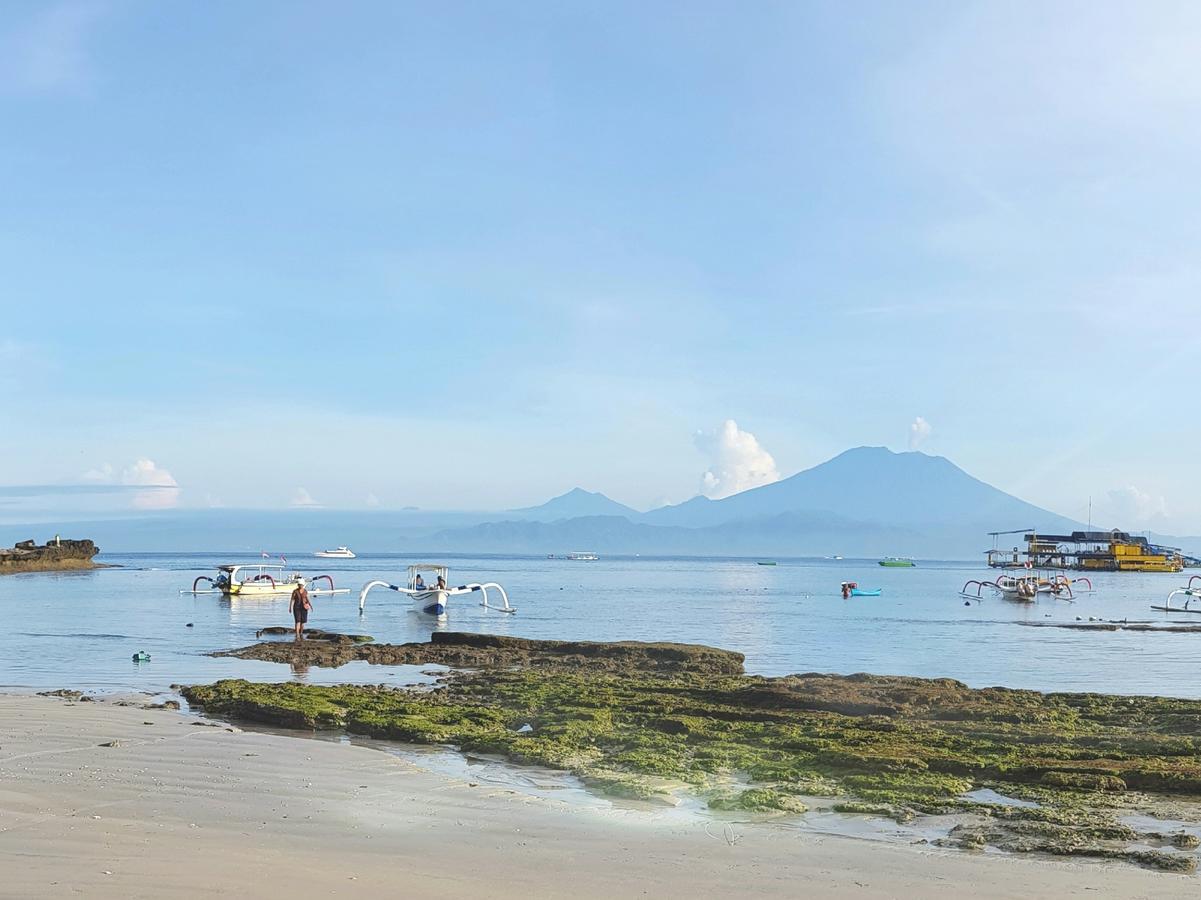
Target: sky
470 255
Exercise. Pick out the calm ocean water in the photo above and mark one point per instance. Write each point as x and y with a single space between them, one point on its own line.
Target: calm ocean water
80 630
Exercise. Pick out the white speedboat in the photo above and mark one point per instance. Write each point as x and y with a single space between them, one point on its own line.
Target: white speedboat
433 599
257 580
336 553
582 556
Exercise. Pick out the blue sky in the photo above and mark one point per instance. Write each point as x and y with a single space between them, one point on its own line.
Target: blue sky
471 255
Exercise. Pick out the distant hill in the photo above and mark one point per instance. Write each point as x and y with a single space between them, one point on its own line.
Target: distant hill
866 501
575 503
873 484
789 534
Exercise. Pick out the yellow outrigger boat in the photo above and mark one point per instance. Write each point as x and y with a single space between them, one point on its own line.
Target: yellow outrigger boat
259 580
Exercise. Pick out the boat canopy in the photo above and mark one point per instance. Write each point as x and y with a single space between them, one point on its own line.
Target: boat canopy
231 570
435 568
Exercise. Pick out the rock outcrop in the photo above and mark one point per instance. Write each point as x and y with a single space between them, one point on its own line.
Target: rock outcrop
473 651
55 555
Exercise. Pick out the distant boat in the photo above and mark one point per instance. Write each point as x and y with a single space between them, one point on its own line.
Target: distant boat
336 553
767 562
897 562
833 557
582 556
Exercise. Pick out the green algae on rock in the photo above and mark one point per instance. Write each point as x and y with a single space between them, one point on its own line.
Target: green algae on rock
460 649
884 745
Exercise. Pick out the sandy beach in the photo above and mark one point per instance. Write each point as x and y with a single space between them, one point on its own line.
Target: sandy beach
176 808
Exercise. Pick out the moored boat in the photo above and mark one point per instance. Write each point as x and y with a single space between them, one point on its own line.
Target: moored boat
260 580
897 562
433 599
1189 592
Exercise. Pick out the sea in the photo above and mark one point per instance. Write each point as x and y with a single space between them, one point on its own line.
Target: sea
81 630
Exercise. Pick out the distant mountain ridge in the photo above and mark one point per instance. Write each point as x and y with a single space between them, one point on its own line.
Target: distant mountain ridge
868 500
575 503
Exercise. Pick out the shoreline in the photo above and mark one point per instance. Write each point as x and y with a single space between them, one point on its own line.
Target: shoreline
185 805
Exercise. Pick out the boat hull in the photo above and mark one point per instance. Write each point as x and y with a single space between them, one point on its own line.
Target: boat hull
260 589
431 603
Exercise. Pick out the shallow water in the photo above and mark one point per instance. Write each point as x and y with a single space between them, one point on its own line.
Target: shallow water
81 629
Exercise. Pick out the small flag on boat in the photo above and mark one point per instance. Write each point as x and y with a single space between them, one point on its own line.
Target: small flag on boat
265 555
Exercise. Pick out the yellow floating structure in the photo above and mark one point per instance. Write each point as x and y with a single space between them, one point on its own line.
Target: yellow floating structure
1089 551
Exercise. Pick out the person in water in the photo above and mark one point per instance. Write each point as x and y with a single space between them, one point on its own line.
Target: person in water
300 606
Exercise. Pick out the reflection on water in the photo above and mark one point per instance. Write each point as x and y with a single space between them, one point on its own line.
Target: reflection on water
81 629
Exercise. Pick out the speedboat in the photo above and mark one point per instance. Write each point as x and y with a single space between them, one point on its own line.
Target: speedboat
582 556
336 553
432 600
258 580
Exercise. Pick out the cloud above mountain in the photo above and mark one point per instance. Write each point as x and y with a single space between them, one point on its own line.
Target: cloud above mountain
1133 505
737 461
919 431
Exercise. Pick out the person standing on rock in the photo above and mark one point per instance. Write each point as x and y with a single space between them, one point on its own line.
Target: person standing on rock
300 606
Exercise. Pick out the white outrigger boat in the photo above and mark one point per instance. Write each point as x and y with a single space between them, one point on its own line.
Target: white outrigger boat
431 600
1188 592
1026 588
258 580
336 553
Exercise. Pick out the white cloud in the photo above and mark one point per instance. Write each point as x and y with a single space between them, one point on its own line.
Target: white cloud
737 461
48 52
1133 506
302 499
371 500
102 474
162 488
919 431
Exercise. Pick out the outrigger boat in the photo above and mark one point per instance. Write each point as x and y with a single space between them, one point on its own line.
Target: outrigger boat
1188 592
257 580
1026 588
432 600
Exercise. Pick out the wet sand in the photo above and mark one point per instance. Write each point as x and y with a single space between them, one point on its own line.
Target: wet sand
180 809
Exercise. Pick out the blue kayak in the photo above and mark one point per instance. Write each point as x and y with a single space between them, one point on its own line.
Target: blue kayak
858 592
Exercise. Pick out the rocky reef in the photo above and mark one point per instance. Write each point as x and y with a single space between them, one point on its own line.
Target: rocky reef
473 651
643 720
55 555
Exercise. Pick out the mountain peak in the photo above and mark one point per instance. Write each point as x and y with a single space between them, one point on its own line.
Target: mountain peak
876 485
575 503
